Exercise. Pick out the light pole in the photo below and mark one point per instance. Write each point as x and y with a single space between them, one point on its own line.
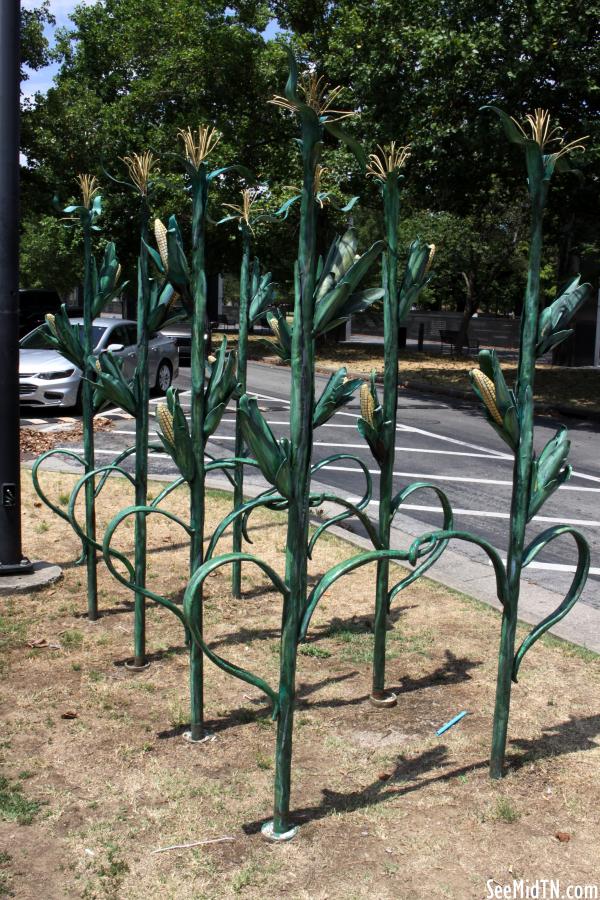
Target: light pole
12 560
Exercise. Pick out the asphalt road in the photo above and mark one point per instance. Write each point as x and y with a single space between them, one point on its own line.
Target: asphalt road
446 441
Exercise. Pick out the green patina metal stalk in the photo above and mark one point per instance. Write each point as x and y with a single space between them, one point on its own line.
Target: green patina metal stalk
142 395
388 435
511 414
301 415
87 408
242 369
197 487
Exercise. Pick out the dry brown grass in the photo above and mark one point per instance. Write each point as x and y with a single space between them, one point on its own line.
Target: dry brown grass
388 809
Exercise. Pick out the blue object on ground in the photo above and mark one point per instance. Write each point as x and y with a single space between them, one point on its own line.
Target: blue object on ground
452 722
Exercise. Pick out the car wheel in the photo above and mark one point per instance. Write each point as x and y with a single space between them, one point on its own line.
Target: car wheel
164 377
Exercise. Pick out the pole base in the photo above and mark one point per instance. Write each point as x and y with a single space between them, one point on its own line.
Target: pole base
33 577
383 699
24 567
131 666
269 834
207 737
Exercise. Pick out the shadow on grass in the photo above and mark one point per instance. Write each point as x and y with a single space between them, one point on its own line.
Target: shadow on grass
453 671
572 736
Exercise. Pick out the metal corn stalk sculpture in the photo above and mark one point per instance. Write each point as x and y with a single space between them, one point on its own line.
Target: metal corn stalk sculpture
184 440
325 295
378 420
154 301
511 414
75 344
256 296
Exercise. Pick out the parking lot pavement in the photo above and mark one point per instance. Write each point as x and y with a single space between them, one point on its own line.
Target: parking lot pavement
446 442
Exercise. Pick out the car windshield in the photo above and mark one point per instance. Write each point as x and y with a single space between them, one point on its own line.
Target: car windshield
35 340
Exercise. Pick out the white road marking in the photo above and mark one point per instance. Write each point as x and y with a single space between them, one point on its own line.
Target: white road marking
552 567
478 513
417 476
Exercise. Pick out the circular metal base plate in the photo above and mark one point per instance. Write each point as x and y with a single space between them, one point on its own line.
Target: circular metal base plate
131 666
268 833
383 700
208 736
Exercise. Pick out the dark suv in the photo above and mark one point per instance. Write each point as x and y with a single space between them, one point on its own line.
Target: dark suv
33 306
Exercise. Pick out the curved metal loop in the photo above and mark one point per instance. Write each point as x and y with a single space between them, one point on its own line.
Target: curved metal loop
229 462
173 485
109 553
277 502
243 510
332 575
439 548
351 508
430 540
116 461
573 594
192 603
354 510
79 531
36 482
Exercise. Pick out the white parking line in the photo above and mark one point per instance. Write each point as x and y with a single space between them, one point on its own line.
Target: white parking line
478 513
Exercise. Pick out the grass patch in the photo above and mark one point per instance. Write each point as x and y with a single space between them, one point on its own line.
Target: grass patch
505 811
14 806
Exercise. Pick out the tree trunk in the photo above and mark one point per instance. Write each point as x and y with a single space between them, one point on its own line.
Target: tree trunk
471 307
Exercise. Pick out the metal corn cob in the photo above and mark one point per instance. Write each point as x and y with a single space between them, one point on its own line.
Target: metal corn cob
487 390
367 404
51 323
165 420
160 233
275 328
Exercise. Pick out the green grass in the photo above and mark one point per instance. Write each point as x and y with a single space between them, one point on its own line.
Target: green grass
14 807
63 499
71 639
312 650
506 812
12 632
263 761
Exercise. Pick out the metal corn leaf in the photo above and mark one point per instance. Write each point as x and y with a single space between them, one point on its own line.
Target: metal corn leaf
154 256
283 342
262 297
554 319
336 393
184 451
333 304
512 132
111 385
271 456
339 259
66 340
178 271
342 135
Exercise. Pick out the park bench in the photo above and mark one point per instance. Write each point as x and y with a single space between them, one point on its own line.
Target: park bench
448 337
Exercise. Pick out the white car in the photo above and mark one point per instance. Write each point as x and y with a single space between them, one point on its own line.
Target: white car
48 379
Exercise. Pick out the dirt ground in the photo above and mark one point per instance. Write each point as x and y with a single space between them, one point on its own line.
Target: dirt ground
577 388
96 775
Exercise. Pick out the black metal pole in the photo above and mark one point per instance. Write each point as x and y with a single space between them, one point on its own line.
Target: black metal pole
11 557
